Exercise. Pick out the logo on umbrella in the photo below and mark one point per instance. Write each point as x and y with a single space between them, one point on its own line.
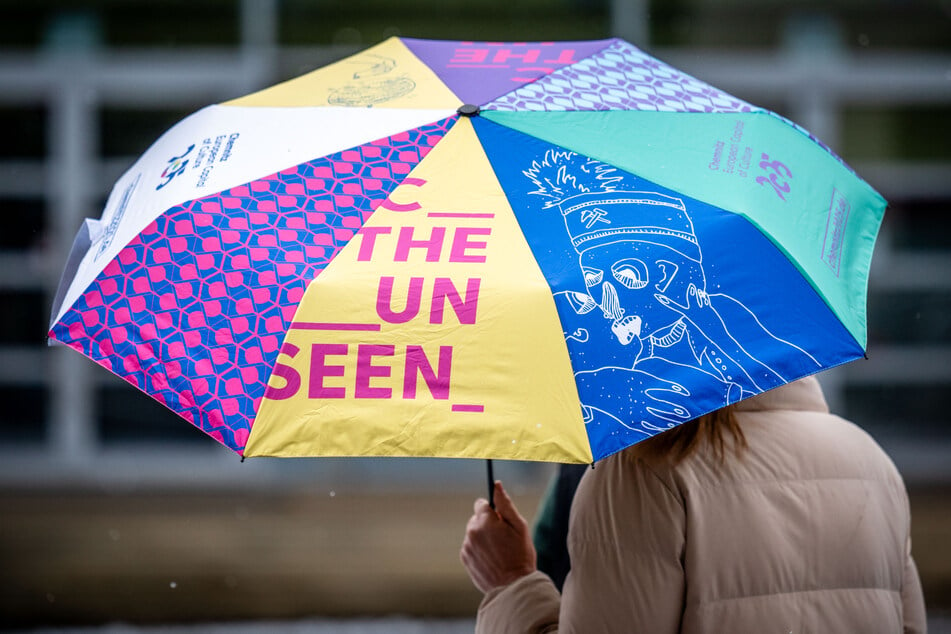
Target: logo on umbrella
176 165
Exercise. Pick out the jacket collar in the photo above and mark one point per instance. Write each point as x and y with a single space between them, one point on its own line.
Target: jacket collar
803 395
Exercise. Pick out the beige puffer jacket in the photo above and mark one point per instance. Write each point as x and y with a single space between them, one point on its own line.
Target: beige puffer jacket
807 532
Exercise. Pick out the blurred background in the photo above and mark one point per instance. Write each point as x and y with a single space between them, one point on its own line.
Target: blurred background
114 511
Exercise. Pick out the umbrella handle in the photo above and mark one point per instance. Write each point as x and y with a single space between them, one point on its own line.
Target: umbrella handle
491 480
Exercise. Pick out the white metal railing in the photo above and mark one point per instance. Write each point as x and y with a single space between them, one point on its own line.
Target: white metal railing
814 79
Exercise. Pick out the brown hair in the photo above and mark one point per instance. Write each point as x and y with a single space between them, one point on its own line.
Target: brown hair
713 430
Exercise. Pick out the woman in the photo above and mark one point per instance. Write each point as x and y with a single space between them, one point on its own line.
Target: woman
772 515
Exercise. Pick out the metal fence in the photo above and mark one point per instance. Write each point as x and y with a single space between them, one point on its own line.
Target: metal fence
810 78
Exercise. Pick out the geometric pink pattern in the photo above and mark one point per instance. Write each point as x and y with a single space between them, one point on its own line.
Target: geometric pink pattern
193 311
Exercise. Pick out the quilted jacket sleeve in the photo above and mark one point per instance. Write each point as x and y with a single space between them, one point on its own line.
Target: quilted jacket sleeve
527 605
913 603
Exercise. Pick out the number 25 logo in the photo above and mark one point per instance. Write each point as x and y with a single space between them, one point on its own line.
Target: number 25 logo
778 172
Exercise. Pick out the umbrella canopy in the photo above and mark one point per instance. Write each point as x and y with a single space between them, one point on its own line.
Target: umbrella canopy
532 251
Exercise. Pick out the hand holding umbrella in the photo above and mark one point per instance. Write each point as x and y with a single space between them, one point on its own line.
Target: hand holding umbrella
497 549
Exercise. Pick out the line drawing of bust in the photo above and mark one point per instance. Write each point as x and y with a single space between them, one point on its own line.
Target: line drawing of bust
644 323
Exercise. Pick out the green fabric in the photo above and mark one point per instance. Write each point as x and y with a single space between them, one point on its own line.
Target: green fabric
826 222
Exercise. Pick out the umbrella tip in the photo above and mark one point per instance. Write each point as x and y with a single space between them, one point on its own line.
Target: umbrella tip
468 110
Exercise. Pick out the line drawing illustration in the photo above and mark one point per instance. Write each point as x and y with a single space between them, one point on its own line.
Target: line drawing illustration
644 323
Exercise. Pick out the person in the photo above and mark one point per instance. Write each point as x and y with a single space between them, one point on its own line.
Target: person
550 531
771 515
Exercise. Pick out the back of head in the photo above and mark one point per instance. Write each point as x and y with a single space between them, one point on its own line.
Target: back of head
716 432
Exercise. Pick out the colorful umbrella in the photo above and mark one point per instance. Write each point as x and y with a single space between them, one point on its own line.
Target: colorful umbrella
531 251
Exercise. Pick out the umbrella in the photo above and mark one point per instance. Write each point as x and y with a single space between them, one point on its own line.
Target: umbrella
528 251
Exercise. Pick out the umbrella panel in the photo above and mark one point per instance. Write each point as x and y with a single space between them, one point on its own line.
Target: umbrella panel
480 72
619 77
